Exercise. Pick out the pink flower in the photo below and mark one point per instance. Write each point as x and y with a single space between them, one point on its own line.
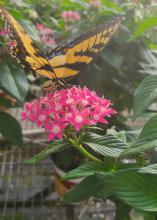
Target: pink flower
24 115
73 107
79 118
40 27
55 132
51 41
46 35
43 29
70 16
48 41
11 44
4 32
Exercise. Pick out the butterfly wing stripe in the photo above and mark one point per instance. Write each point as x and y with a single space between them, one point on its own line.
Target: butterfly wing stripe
74 66
97 46
25 50
81 51
60 72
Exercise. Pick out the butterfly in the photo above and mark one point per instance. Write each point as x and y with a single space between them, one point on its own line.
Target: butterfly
63 62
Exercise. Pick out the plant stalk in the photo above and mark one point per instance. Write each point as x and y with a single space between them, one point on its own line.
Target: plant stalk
86 153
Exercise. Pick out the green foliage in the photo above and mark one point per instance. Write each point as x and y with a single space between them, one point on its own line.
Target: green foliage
103 150
147 90
13 81
135 186
10 129
56 146
152 169
135 189
145 25
138 191
109 145
87 169
147 138
85 189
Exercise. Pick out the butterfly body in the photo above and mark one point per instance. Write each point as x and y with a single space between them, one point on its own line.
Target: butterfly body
64 61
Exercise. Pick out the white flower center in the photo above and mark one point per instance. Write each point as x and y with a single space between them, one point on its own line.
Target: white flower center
68 115
96 117
69 100
85 102
78 119
56 129
58 107
42 117
102 109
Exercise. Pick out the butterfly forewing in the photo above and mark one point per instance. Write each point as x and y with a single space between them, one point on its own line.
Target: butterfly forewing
62 62
24 49
69 60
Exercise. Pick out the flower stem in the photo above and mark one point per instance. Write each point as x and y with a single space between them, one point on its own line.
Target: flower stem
86 153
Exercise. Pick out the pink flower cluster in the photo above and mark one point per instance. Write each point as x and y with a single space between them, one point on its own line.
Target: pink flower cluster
10 43
46 35
70 16
73 106
4 32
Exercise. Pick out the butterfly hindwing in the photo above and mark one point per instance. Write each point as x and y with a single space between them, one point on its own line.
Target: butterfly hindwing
24 49
68 61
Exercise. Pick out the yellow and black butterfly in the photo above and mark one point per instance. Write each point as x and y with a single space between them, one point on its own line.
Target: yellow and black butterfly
62 62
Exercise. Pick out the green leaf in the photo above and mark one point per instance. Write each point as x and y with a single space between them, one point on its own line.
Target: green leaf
147 138
152 169
20 3
83 4
73 4
88 187
139 148
13 81
145 25
105 151
145 95
150 69
139 190
149 131
112 6
56 146
10 129
85 170
106 145
121 135
104 191
110 140
147 61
